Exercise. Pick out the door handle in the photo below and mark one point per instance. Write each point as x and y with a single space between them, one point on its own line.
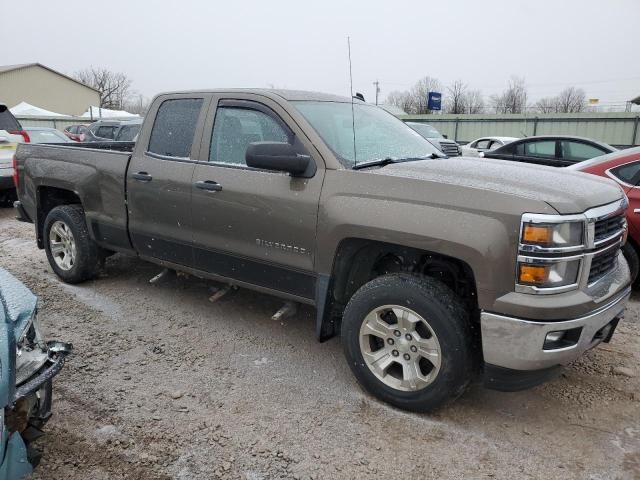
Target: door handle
636 210
208 185
142 176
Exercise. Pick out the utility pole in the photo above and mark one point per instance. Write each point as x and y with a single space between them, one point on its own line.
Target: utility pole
377 84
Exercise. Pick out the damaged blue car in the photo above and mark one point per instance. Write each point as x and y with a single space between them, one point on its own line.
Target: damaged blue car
27 367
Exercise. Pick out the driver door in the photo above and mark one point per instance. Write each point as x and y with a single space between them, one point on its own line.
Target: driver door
251 225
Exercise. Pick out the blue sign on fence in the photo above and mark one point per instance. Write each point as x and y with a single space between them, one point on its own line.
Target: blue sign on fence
434 101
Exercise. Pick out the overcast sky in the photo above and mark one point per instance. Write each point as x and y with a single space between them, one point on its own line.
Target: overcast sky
167 45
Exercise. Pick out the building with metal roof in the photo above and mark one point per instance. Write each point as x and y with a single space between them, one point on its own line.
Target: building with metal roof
46 88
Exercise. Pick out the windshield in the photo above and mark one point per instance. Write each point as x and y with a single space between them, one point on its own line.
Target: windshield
47 136
378 134
127 133
426 130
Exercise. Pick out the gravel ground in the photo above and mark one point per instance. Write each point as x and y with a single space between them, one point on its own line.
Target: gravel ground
165 384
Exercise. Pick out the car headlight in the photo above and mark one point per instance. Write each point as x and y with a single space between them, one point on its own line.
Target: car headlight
550 252
553 235
550 274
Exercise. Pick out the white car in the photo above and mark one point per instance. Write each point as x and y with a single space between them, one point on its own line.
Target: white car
484 144
11 134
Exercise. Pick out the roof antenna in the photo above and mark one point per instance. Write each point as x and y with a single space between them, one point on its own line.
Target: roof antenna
353 118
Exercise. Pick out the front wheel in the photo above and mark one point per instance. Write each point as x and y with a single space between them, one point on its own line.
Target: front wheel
408 342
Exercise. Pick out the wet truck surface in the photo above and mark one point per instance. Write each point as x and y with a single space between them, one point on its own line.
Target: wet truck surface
434 271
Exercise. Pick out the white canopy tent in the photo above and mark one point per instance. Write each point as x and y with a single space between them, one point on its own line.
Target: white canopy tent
24 109
97 113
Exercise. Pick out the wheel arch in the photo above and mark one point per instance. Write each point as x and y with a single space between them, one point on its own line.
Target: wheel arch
48 198
359 260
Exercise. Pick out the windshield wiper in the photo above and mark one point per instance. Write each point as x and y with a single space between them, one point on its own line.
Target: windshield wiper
381 162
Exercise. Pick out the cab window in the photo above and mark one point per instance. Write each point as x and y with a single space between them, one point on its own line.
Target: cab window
235 128
174 127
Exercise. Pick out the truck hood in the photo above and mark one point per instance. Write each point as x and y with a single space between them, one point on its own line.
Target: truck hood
565 191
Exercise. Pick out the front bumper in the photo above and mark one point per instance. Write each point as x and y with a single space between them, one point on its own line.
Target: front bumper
57 352
518 344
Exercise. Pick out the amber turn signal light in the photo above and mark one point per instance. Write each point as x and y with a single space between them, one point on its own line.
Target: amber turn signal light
533 274
537 234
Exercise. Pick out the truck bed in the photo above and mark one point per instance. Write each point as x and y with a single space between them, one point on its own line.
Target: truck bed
94 171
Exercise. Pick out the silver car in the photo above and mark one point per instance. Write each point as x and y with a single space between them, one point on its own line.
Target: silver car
438 140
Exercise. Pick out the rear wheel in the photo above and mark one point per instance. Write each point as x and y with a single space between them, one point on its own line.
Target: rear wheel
408 342
72 254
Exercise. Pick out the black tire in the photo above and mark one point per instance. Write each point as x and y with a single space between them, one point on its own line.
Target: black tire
86 264
7 197
631 255
447 319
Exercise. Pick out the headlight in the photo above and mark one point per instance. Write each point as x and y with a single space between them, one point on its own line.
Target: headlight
548 275
550 252
553 235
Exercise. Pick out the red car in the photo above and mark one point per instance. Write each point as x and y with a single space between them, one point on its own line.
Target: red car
623 167
76 132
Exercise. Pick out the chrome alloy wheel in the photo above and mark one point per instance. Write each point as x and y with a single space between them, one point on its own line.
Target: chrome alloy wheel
400 348
62 245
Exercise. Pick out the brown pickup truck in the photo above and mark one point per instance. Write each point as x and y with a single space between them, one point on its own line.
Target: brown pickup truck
435 271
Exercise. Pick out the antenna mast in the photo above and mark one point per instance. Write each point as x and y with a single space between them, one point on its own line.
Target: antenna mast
353 117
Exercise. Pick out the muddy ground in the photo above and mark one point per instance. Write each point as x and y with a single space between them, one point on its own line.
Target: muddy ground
164 384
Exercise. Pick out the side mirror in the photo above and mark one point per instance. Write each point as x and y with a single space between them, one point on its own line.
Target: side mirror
444 135
279 156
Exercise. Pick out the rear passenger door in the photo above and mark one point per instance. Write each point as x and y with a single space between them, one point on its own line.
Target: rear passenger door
253 225
159 179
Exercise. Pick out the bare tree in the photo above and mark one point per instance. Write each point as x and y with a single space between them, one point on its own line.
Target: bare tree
474 102
137 103
114 87
420 93
571 100
513 99
546 105
456 100
402 100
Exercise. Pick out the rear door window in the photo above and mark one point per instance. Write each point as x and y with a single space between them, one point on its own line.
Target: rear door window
578 151
235 128
545 149
174 127
629 173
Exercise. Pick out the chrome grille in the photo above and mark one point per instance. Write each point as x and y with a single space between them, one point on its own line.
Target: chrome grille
450 149
608 227
603 263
